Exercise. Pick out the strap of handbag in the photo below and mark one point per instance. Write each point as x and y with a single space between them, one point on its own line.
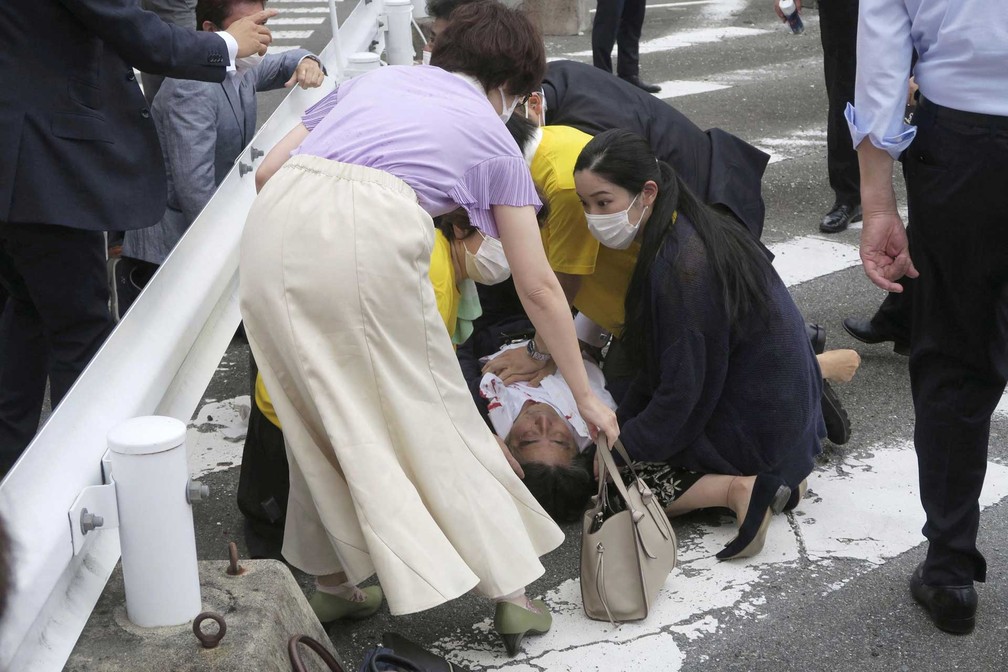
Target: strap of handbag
606 460
298 665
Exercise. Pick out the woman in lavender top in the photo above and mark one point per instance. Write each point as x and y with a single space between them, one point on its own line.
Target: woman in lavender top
392 469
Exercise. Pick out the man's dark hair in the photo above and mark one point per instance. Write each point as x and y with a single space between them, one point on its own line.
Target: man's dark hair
563 491
522 130
497 45
217 11
442 9
6 578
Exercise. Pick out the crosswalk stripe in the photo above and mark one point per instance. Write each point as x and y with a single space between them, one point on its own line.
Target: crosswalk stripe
687 38
677 88
802 259
300 10
296 21
676 5
291 34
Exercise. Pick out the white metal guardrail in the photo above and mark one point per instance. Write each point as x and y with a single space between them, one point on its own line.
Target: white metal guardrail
158 361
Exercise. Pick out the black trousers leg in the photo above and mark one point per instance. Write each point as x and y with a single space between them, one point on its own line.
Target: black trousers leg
604 30
838 29
955 176
55 319
628 38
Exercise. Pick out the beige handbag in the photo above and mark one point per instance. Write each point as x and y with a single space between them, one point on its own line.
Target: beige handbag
628 546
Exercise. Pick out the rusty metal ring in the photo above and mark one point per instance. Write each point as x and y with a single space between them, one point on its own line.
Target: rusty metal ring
297 665
234 569
209 640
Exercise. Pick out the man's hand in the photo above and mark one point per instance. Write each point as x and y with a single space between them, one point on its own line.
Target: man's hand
776 8
251 33
517 366
308 74
510 458
885 252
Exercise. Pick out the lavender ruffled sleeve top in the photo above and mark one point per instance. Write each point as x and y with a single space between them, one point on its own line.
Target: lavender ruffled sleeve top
434 130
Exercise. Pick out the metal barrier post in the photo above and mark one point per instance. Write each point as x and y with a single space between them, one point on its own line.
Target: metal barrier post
399 43
159 566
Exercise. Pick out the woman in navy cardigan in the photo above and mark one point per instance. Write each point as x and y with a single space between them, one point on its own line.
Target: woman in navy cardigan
727 396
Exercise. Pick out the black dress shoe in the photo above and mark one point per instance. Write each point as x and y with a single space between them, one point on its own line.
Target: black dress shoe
866 332
951 608
837 219
817 335
834 415
636 81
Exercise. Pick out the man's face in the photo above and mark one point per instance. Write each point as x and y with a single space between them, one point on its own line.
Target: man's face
539 434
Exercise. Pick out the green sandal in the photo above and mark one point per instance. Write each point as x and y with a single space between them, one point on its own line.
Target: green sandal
331 608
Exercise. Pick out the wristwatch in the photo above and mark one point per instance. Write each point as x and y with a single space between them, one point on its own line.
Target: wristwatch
535 353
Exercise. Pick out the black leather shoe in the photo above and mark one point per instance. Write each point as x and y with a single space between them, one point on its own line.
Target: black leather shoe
834 415
817 335
636 81
837 219
866 332
951 608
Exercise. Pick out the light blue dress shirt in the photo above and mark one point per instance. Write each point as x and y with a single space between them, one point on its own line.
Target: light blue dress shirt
963 63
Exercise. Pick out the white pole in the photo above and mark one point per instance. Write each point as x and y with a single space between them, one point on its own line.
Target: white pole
160 570
399 42
337 48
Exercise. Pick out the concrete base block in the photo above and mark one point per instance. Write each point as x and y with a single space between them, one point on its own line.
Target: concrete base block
560 17
262 608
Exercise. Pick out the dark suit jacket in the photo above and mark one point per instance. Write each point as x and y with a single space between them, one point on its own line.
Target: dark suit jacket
719 167
76 136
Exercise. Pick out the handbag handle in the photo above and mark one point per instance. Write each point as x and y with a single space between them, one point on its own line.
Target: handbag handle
297 665
606 461
662 522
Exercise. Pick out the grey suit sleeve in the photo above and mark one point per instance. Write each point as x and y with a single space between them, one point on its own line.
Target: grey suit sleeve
189 134
275 69
146 42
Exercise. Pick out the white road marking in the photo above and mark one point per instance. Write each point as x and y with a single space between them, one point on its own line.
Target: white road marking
216 435
808 257
291 34
296 21
687 38
322 9
868 511
682 87
280 48
676 5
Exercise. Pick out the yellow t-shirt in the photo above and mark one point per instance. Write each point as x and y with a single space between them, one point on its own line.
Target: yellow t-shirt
442 276
570 246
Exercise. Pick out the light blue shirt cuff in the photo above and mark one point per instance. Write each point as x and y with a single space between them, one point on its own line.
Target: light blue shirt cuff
894 144
232 47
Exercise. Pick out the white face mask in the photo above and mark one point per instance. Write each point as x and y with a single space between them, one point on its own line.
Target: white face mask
246 63
426 57
615 230
506 113
488 266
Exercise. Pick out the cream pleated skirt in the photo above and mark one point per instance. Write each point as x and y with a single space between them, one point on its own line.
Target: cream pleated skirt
392 469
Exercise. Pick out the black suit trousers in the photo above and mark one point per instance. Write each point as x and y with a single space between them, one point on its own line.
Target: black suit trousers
619 22
55 319
956 170
838 30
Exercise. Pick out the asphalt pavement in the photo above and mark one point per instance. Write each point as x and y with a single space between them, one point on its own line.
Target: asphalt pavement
829 592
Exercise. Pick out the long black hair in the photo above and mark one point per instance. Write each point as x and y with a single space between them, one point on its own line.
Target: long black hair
626 160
